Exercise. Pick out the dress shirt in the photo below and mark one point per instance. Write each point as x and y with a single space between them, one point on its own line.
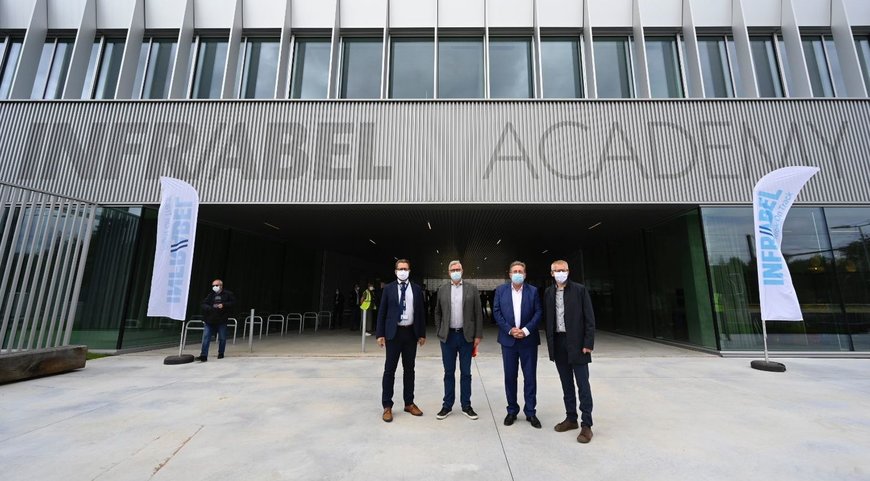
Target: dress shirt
409 303
456 306
518 306
560 309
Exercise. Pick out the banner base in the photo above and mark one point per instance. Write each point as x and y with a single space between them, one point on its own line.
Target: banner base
181 359
770 366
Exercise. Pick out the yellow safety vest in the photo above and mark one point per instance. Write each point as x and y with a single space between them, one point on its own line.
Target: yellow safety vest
366 303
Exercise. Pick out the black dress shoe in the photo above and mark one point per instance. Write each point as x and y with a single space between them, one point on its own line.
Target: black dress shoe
201 358
221 356
509 419
536 423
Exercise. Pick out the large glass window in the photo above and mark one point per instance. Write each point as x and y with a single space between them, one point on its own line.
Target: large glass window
716 66
361 68
412 68
310 78
208 75
510 68
663 60
863 45
766 66
613 73
52 69
786 66
560 68
154 72
823 66
258 69
850 239
10 50
104 68
460 68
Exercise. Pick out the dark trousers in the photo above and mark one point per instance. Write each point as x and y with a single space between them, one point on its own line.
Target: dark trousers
568 373
524 354
206 338
404 345
456 345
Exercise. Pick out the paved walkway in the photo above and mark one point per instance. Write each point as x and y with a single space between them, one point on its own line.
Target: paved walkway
664 414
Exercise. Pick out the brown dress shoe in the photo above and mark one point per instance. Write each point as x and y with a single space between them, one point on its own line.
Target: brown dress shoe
585 435
388 415
413 409
566 425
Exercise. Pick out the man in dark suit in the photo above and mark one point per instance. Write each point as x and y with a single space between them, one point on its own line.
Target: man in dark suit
570 339
401 327
517 311
459 325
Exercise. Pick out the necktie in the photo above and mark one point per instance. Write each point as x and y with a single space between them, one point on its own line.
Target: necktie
403 286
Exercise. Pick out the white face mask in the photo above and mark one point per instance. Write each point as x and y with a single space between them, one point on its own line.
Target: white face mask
517 278
456 276
560 277
403 274
216 288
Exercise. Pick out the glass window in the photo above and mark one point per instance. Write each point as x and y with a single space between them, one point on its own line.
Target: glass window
663 60
412 68
786 65
361 68
259 69
560 68
817 66
154 72
834 64
310 78
8 64
613 74
849 228
211 58
104 68
460 68
52 69
715 67
510 68
863 46
766 67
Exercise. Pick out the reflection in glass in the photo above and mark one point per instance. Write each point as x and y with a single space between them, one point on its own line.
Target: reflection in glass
510 68
786 66
260 68
834 65
361 68
460 68
849 228
863 46
715 68
8 64
560 68
109 69
412 65
613 75
52 69
663 60
766 67
88 87
211 58
817 66
154 72
310 78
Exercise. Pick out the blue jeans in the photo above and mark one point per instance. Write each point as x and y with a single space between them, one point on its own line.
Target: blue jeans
456 344
206 338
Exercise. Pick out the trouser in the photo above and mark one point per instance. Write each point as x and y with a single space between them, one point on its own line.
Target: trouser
568 374
453 346
404 345
524 354
206 337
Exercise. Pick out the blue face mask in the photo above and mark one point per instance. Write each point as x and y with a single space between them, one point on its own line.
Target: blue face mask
456 276
517 278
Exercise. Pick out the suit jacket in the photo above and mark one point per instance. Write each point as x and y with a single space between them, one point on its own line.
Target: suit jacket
390 311
579 321
503 312
472 316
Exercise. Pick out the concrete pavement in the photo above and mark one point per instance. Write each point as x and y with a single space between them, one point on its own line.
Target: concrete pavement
310 413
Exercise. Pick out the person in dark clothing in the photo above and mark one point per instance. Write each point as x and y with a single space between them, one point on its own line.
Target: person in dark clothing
354 302
337 308
216 307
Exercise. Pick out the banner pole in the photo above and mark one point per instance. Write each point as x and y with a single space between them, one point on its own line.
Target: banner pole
251 333
362 329
764 332
766 364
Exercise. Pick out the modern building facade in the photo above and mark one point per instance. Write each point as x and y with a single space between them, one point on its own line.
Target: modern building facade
328 138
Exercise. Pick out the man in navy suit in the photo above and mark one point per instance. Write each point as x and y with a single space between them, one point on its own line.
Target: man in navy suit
401 327
517 311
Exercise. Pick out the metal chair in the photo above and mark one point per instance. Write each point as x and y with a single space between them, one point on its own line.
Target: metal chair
294 317
328 316
309 316
275 318
257 321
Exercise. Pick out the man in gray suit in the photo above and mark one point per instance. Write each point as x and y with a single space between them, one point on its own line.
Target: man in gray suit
459 325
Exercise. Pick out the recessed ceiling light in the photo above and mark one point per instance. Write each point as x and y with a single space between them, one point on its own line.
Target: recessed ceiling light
437 251
272 226
545 251
373 242
594 226
484 258
428 224
498 242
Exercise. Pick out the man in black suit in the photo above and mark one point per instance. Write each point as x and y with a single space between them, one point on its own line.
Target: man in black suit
570 339
401 327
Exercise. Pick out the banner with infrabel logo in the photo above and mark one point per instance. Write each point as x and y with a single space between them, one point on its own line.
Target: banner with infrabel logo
176 233
772 198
